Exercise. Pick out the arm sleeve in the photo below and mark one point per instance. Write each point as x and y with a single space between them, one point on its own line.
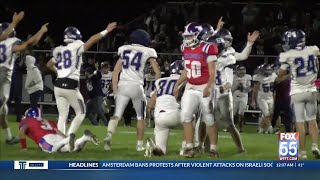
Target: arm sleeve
212 58
80 50
245 52
152 53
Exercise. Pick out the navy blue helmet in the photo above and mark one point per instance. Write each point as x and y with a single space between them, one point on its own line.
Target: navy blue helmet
191 34
141 37
207 31
293 39
71 34
226 35
33 113
177 67
4 26
218 41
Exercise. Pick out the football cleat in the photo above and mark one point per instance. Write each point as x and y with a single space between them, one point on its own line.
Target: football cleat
93 138
72 138
107 143
303 155
140 148
189 153
214 153
12 141
316 152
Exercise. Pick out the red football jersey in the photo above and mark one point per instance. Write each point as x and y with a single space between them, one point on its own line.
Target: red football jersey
38 128
195 60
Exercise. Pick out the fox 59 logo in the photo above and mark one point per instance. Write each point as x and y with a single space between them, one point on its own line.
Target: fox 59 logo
288 146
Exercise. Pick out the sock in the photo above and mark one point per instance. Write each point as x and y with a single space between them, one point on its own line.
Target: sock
314 145
189 146
213 147
140 143
75 123
113 123
183 145
8 134
81 142
261 130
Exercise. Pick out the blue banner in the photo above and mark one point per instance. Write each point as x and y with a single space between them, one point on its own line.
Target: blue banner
107 165
84 170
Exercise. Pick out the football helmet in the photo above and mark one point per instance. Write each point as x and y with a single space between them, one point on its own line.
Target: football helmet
266 70
218 41
141 37
4 26
71 34
241 70
177 67
207 31
226 35
33 113
293 39
191 34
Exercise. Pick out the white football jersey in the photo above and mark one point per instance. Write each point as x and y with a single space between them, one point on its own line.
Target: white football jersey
69 60
303 67
134 59
245 80
149 82
224 74
266 85
7 57
164 92
106 80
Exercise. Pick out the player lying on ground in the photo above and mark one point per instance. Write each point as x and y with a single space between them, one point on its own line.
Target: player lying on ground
166 110
47 136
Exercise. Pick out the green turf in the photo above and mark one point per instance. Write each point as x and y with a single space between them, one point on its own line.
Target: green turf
258 146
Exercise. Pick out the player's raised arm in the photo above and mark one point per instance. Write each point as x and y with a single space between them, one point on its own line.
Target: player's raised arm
15 21
23 136
32 41
252 37
97 37
115 76
156 68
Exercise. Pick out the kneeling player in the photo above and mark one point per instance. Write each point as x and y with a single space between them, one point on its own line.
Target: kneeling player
166 113
47 136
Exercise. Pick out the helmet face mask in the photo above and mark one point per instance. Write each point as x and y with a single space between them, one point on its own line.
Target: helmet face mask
191 34
177 67
293 39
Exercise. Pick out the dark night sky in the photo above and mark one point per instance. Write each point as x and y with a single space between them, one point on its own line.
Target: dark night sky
90 16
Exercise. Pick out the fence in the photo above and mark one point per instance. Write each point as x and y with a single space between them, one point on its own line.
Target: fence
48 104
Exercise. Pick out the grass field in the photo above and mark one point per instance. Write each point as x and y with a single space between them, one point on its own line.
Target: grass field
258 146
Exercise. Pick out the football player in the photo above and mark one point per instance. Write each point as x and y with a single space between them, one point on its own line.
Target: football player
66 63
263 95
302 61
223 102
7 31
241 86
46 135
200 73
106 87
8 49
166 110
131 65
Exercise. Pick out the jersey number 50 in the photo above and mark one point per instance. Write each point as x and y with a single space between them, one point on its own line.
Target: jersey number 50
195 69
